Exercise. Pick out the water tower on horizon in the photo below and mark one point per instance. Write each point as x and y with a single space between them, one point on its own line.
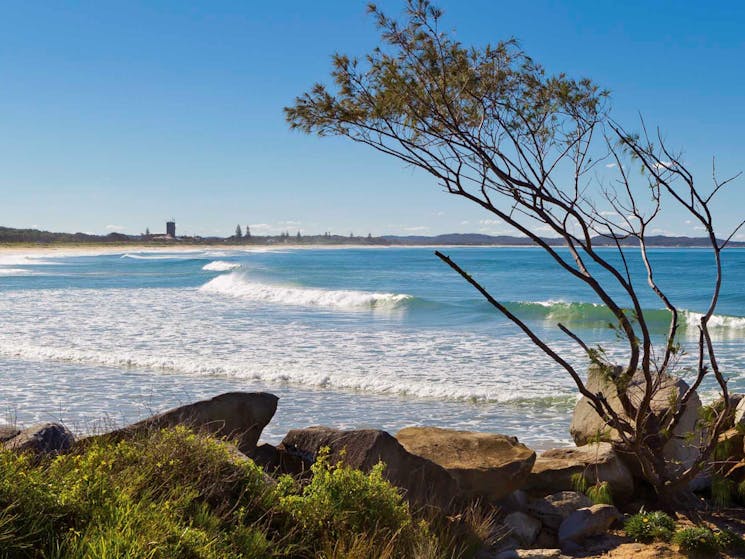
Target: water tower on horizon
171 228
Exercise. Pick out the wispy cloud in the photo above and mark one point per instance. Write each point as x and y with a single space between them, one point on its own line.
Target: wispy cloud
490 221
611 165
416 229
115 227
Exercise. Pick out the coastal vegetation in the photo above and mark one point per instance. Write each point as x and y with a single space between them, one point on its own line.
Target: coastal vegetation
541 153
177 493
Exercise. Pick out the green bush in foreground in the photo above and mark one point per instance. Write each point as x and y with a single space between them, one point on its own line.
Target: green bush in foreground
729 541
697 541
174 493
650 526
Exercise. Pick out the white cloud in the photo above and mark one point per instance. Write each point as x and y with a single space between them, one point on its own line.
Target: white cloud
115 227
611 165
663 165
465 222
418 228
490 221
439 214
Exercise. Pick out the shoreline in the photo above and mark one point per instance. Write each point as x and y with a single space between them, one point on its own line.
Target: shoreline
75 249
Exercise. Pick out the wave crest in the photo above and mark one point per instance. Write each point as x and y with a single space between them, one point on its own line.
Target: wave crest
237 285
221 266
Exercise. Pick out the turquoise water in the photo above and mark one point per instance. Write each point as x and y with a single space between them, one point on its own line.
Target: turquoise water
383 337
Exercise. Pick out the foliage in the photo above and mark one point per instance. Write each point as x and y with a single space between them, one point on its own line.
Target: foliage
650 526
730 541
600 493
493 127
722 491
697 541
176 493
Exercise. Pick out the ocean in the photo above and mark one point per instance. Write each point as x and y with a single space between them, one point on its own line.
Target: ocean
346 337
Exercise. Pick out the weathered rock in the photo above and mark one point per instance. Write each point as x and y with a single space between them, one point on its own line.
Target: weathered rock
587 426
7 432
517 501
523 527
554 509
238 415
484 464
42 438
554 469
276 460
587 522
424 482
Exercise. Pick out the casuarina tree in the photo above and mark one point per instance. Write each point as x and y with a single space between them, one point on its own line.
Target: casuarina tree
493 126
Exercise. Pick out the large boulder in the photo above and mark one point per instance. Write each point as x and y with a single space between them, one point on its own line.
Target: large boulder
42 438
587 426
555 469
587 522
423 482
484 464
240 416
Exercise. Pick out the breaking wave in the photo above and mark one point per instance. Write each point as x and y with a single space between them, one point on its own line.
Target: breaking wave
237 285
15 272
593 314
221 266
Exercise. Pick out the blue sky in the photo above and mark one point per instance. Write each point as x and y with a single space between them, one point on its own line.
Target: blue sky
118 115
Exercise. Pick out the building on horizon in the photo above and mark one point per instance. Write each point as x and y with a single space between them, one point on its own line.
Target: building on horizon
171 228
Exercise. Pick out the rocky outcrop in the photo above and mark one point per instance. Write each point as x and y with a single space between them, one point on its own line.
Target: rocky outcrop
485 465
587 426
42 438
240 416
587 522
423 481
554 470
554 509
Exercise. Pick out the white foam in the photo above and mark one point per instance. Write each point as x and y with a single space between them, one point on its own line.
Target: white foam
717 321
237 285
15 272
221 266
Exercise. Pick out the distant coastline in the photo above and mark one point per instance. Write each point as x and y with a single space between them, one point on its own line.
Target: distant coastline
30 238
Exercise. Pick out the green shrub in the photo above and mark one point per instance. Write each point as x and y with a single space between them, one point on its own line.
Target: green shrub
341 500
175 493
697 541
730 541
650 526
600 493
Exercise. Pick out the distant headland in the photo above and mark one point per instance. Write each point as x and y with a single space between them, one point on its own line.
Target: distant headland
12 236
